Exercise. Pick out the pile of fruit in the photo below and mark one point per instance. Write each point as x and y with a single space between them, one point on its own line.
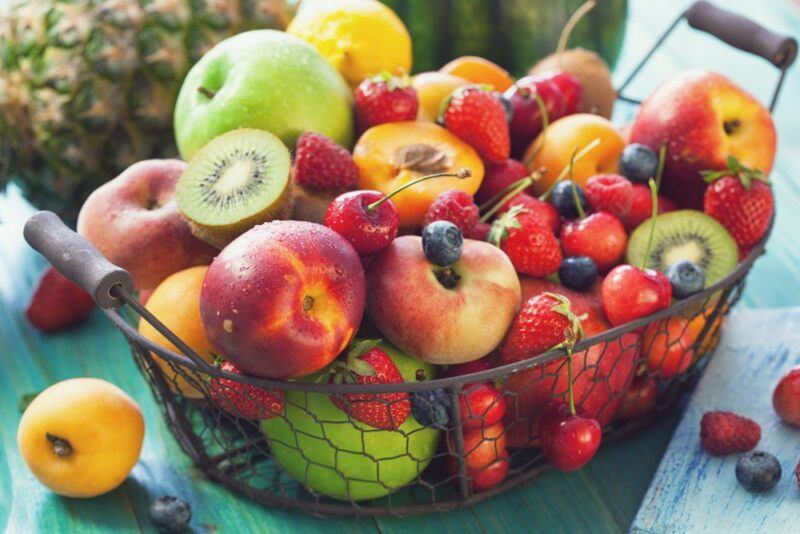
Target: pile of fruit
476 221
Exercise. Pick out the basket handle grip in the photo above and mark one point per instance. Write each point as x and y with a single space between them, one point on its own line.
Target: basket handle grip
742 33
77 259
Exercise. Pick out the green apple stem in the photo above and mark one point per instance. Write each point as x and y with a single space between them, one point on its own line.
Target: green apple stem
662 159
500 199
654 198
206 92
543 134
460 173
571 23
577 157
575 198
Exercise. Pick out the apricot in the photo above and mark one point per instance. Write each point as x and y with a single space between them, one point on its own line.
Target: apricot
81 437
563 137
392 154
176 303
432 88
479 70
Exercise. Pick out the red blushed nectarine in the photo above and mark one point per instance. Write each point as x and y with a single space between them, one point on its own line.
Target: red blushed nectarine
134 221
283 299
703 118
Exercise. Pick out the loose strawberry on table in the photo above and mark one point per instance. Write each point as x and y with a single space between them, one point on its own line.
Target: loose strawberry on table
724 433
57 303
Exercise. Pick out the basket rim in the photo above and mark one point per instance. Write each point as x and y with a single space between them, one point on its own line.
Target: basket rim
457 382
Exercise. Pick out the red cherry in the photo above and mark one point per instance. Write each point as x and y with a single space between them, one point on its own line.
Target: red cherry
639 399
497 177
369 219
600 236
568 441
570 87
481 405
527 122
368 230
667 347
786 398
491 476
630 293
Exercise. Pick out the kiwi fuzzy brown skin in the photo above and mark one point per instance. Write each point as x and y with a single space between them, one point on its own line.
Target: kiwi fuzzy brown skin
598 94
310 205
267 198
675 230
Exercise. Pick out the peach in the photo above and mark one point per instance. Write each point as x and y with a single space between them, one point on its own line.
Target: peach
479 70
703 118
283 299
442 315
563 137
392 154
134 221
432 88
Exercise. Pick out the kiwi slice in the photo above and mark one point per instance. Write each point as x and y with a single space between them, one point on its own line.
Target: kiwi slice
685 235
236 181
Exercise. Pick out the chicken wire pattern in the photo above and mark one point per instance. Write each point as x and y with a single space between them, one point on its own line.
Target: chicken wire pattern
668 349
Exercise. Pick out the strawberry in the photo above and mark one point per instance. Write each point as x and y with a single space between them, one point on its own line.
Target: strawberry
244 400
530 245
544 322
536 209
455 206
57 303
367 364
478 232
385 98
497 177
609 192
741 200
725 432
642 207
322 165
478 117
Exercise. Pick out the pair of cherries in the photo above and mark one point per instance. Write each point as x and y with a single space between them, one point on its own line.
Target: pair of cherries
368 219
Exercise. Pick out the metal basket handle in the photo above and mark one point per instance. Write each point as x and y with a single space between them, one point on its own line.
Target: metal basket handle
77 259
735 30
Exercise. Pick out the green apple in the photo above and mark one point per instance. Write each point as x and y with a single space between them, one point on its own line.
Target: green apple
319 446
263 79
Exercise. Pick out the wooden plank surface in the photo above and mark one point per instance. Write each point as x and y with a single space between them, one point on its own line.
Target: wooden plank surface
693 491
603 497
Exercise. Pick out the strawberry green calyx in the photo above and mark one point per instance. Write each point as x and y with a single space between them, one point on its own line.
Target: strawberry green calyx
392 82
745 175
500 227
460 92
343 371
575 331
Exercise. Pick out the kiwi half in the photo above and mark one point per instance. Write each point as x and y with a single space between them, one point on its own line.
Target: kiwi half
685 235
236 181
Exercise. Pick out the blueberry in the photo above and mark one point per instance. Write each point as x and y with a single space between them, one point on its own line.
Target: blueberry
578 273
758 471
562 198
686 279
442 242
638 163
431 408
170 514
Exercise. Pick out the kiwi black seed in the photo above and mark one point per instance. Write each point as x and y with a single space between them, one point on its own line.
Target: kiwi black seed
238 180
685 235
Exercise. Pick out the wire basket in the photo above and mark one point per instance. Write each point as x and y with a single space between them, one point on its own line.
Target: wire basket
319 459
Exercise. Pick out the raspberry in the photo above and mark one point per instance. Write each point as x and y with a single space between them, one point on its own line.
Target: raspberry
455 206
725 432
322 165
609 192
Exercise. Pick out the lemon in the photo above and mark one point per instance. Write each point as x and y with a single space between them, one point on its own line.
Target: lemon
358 37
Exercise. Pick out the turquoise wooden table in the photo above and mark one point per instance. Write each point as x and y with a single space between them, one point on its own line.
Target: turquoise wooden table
603 497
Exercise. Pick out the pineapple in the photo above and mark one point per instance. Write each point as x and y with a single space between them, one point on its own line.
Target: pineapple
87 87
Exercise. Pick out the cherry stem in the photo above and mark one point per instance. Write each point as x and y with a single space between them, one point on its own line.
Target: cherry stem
545 123
577 157
662 159
575 198
654 198
460 174
570 395
509 192
570 25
